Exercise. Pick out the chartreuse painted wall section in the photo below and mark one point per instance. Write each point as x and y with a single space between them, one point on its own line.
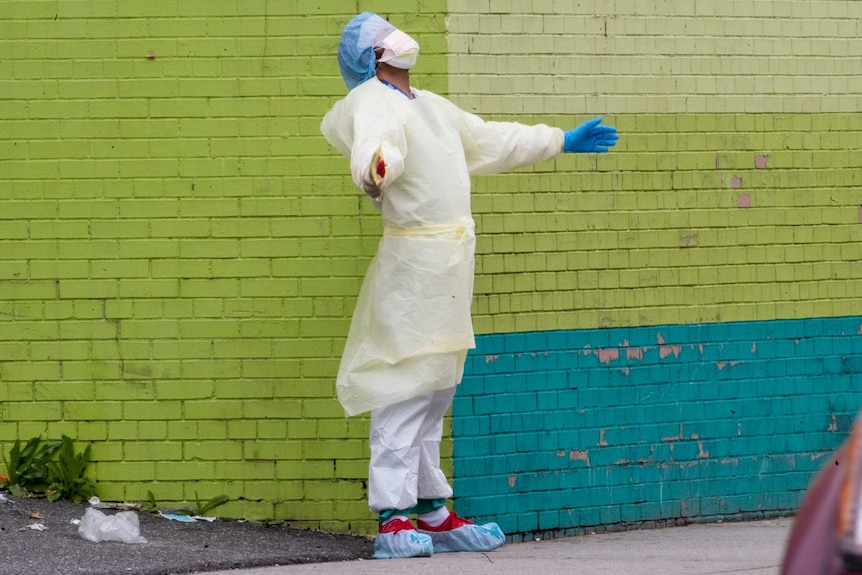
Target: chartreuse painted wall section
180 248
672 331
669 331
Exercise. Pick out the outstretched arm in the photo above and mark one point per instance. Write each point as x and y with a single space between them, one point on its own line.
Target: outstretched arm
495 147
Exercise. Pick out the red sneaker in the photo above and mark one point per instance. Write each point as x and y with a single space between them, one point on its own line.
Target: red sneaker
452 522
459 534
398 539
395 526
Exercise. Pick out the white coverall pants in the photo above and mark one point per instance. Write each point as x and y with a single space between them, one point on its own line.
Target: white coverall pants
405 452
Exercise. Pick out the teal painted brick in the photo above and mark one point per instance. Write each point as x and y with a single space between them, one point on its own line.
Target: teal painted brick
630 427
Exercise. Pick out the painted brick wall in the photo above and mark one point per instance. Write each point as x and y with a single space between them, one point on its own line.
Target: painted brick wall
180 249
572 431
671 329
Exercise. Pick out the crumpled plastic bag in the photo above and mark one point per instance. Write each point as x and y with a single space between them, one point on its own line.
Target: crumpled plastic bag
123 527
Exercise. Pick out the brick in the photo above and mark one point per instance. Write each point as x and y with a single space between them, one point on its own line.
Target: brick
43 370
247 470
89 411
242 429
287 470
126 471
64 391
185 471
220 410
152 451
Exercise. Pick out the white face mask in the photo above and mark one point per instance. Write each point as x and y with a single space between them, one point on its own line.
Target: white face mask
399 50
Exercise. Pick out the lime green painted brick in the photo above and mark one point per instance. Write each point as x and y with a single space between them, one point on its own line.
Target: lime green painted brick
345 449
183 349
223 328
80 289
92 329
332 429
351 469
43 370
72 391
125 390
242 429
186 389
270 369
245 389
57 429
205 490
272 450
110 491
153 451
185 470
165 492
272 430
307 469
209 288
312 511
180 228
122 430
126 471
333 490
31 429
152 410
14 351
214 451
149 329
89 411
302 348
58 350
177 430
33 290
210 369
274 490
322 408
246 470
301 428
276 408
220 410
96 431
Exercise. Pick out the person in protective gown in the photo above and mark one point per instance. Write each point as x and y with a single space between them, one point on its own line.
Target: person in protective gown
413 153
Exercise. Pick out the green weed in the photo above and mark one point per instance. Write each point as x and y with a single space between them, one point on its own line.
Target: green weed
66 474
27 468
217 501
34 470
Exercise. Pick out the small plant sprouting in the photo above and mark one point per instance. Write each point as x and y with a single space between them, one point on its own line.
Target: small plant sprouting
199 508
217 501
27 468
150 504
33 469
66 474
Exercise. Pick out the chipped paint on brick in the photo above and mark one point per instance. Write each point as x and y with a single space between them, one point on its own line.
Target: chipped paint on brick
580 455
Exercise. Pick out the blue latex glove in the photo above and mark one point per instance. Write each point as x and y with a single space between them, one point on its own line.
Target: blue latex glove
590 137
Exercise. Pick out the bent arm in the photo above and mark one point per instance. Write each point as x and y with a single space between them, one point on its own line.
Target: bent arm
364 133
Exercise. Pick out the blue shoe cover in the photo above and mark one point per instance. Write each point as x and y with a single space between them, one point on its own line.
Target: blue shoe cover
467 538
402 544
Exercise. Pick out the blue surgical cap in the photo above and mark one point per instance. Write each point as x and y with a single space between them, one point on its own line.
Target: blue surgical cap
356 48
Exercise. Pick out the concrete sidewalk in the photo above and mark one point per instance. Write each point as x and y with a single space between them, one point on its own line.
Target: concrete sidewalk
752 548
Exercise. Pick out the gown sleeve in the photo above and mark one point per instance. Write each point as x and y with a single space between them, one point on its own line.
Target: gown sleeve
363 124
495 147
